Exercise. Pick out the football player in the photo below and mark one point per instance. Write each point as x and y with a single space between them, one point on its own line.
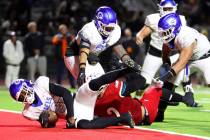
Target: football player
106 92
87 94
153 60
194 47
115 99
95 37
43 96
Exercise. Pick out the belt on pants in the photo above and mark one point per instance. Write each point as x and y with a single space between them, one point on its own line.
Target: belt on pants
158 53
15 65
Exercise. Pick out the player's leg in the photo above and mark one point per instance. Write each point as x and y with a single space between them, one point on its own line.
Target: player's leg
108 77
133 83
150 101
168 95
163 104
103 122
204 66
150 67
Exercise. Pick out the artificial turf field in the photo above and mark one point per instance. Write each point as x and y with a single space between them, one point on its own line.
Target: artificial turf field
179 119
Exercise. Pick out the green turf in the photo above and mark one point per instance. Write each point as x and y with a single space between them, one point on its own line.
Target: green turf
181 119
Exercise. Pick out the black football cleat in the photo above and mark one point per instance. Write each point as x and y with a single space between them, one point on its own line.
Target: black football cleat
127 119
160 116
188 99
173 103
69 125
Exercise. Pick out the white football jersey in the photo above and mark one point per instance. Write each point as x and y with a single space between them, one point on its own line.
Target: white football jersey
187 36
90 37
45 101
152 22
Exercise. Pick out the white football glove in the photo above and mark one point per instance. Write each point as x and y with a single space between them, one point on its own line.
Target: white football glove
157 82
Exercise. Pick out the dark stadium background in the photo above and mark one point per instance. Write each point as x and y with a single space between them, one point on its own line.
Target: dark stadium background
15 15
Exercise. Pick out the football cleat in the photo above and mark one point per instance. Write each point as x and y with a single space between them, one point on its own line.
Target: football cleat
188 99
69 125
160 116
128 120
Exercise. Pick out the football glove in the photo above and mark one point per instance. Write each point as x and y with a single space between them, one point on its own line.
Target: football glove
132 64
81 77
168 76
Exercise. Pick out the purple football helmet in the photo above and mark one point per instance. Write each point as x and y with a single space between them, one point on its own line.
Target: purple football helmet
169 26
105 20
22 90
167 6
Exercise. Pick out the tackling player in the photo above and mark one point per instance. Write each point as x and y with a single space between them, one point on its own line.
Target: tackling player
94 37
115 99
106 92
153 59
194 47
41 97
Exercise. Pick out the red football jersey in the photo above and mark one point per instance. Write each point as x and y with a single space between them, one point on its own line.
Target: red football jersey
112 103
150 101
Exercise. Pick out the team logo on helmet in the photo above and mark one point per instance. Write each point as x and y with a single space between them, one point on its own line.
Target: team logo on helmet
99 15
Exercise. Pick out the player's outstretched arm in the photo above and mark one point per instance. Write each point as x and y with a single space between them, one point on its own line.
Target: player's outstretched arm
125 58
67 98
143 33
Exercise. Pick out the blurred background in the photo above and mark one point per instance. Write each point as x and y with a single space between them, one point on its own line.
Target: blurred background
48 15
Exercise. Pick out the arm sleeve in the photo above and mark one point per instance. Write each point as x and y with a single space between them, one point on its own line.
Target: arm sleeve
66 95
6 53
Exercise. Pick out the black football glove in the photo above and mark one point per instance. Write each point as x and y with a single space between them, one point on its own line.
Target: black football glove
81 77
132 64
168 75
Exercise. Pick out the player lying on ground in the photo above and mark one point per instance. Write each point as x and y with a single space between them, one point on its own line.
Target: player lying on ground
44 101
43 105
114 98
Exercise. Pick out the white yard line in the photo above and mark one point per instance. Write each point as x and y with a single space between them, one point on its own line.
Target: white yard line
205 110
10 111
173 133
140 128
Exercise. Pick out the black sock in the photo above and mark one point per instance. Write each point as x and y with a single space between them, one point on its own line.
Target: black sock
100 122
108 77
168 95
137 83
169 86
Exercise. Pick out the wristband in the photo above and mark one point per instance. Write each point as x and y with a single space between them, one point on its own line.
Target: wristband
124 56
